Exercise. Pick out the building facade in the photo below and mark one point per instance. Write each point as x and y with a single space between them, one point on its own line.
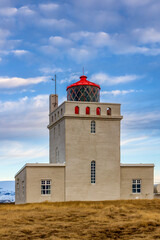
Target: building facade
84 164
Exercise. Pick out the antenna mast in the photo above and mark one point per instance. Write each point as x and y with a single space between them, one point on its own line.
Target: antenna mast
54 79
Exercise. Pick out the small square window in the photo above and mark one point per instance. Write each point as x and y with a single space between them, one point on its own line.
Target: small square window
136 186
45 187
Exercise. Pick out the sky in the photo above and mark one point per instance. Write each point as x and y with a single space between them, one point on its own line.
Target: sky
117 43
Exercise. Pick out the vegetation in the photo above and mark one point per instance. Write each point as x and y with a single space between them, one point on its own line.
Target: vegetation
133 219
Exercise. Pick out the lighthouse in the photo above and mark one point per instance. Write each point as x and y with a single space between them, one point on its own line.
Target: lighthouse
84 154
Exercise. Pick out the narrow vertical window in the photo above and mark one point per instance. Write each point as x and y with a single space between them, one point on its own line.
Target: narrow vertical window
76 110
98 111
93 172
17 188
57 155
136 186
59 129
93 126
88 110
54 132
61 111
52 118
108 111
23 188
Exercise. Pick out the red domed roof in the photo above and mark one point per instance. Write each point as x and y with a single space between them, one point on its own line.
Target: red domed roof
83 81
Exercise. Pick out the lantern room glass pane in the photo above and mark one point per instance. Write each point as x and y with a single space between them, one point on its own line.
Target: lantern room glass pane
83 93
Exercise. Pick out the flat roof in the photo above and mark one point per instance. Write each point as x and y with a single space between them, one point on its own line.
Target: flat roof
40 165
137 165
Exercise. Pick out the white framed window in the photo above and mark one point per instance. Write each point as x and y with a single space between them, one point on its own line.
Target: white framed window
17 187
45 187
59 129
93 126
54 132
23 188
57 155
136 186
93 171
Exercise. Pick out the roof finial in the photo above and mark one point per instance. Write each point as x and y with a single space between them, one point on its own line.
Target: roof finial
83 71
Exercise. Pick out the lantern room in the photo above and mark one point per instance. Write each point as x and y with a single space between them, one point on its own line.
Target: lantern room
83 90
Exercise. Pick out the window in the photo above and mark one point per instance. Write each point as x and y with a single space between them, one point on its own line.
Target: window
98 111
45 187
57 155
88 110
52 118
23 188
18 188
54 132
108 111
136 186
93 172
93 126
55 116
76 110
58 113
59 129
61 111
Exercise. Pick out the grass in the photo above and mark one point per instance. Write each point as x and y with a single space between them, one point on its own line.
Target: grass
127 220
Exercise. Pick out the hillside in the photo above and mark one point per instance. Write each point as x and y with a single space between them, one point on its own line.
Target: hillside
138 219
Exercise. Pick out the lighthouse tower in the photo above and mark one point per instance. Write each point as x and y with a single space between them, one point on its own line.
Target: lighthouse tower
84 162
85 135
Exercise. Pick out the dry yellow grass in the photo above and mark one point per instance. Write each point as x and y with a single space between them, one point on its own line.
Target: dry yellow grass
138 219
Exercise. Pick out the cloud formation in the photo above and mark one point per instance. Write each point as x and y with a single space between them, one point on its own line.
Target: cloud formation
119 92
6 82
27 118
103 78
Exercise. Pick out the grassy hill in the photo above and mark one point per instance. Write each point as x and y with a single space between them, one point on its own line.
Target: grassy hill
137 219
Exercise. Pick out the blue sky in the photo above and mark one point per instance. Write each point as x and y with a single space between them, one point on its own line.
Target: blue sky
117 42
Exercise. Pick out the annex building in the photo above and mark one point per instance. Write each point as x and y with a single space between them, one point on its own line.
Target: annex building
84 162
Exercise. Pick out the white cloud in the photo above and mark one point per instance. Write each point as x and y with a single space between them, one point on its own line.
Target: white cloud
8 11
56 23
72 77
49 7
49 70
136 3
103 78
98 39
6 82
148 35
119 92
58 41
19 52
82 54
4 33
25 11
148 120
19 152
131 140
27 118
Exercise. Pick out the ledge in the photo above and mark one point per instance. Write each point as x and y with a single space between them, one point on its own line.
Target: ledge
137 165
40 165
93 117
